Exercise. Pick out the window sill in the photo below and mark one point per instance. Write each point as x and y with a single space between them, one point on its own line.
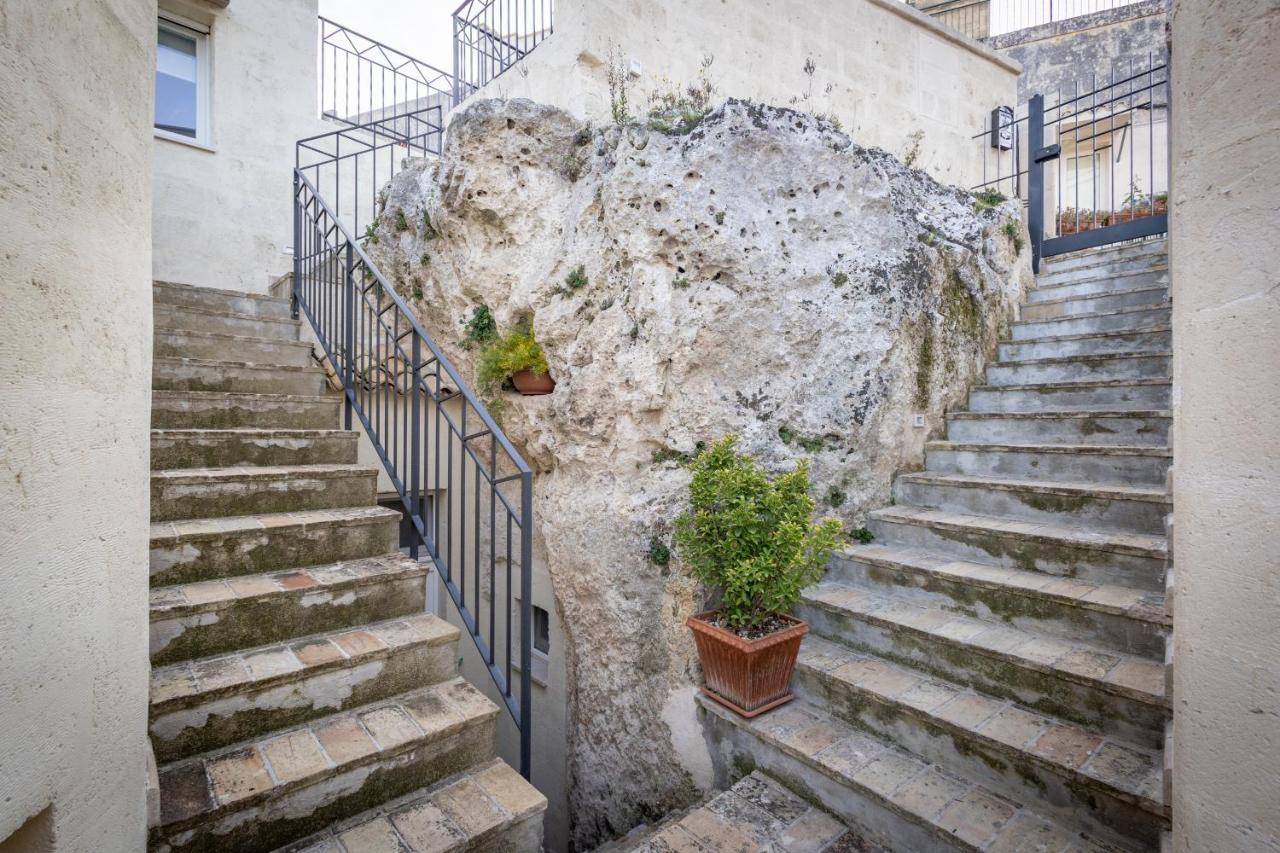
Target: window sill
183 140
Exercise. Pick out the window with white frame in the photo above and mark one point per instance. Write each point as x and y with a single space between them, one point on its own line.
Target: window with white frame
182 82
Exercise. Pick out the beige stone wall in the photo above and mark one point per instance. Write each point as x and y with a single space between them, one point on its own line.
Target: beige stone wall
223 217
893 71
1226 313
75 339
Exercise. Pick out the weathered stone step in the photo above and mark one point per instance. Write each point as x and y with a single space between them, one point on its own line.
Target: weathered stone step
226 410
1132 621
1088 282
1113 693
1079 777
194 374
280 788
207 618
1149 428
203 705
1137 509
891 796
1122 320
198 319
232 301
1129 464
1133 560
218 347
1108 257
1158 339
1080 368
1093 303
1096 395
488 808
209 549
221 448
247 490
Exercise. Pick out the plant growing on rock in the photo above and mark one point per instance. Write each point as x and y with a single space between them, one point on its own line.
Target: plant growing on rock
619 87
574 281
989 197
679 109
507 356
481 328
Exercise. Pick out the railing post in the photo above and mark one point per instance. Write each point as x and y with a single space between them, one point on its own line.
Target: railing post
1035 178
526 621
457 62
349 338
415 444
297 248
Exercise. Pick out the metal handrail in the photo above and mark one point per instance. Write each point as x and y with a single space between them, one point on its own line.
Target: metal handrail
360 319
490 36
357 71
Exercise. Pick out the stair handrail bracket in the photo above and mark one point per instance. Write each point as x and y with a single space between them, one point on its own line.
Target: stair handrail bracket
466 492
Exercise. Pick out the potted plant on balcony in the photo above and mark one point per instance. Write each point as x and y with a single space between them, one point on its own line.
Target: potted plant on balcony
750 538
517 356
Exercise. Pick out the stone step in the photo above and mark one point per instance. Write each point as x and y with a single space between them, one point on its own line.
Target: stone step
1127 464
1132 621
225 410
221 448
891 796
207 618
232 301
1089 282
1133 560
205 549
1136 509
203 705
1076 776
1095 428
1115 395
217 347
198 319
280 788
1158 339
1108 257
1102 689
194 374
1134 319
1093 303
1080 368
183 493
488 808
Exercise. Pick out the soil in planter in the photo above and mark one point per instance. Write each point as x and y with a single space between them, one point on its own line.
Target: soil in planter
771 624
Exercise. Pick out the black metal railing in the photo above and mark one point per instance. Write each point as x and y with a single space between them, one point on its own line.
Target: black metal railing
981 19
490 36
465 491
363 80
1091 162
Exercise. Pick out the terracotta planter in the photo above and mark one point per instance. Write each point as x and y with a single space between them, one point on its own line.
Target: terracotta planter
748 677
532 384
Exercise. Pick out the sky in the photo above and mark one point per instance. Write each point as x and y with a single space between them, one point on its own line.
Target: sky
422 29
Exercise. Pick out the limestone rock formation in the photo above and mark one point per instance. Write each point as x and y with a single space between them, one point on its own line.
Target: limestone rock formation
762 274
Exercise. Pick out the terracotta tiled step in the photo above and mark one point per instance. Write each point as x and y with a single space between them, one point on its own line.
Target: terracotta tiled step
245 490
195 374
202 705
1137 509
227 410
220 448
211 548
207 618
1074 305
1131 464
1123 319
265 793
240 302
1132 621
1076 776
1148 428
489 807
1085 283
1099 557
1080 368
1095 395
218 347
1155 339
1114 693
884 792
220 321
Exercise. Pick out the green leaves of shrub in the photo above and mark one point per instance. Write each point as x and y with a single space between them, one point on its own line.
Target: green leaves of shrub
750 535
516 350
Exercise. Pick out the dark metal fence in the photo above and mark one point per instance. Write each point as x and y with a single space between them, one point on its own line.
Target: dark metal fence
465 491
981 19
489 36
362 80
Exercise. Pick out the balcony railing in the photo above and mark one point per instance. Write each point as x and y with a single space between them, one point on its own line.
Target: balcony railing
490 36
363 80
980 19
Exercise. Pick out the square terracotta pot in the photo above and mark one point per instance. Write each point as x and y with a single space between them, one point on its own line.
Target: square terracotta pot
748 677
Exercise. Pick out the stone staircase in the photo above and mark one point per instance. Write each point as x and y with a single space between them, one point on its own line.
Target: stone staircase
301 697
989 672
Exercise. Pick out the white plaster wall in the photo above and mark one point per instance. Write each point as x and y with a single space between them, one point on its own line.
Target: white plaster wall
1225 242
224 217
892 70
75 339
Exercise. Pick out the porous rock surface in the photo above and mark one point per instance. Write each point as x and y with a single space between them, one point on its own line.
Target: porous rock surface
763 275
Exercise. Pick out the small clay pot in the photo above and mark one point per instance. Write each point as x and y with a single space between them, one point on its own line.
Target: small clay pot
747 676
532 384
